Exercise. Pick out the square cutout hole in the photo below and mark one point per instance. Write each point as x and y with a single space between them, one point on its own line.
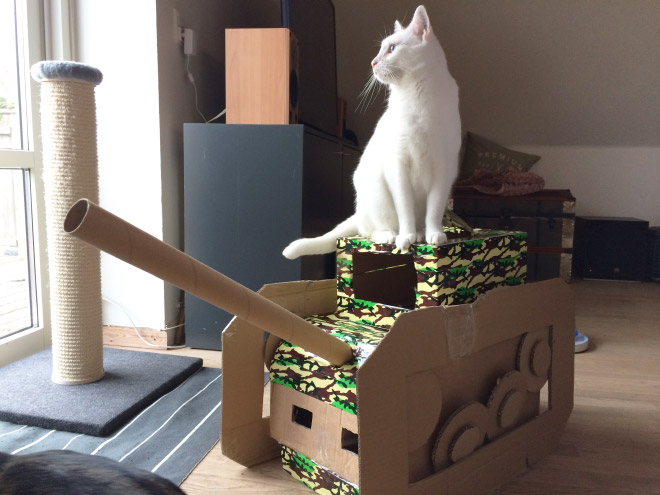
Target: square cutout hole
302 416
385 278
349 441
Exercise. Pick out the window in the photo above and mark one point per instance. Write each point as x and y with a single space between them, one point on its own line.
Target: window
17 282
12 110
21 307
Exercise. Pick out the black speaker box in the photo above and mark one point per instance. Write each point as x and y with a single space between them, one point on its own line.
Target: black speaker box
313 24
653 255
610 248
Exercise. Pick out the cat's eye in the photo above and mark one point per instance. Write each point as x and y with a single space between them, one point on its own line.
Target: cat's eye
392 47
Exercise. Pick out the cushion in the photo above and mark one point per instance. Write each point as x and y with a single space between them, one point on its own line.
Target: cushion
481 153
509 182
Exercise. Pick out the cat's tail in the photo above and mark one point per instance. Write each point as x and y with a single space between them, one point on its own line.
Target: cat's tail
322 244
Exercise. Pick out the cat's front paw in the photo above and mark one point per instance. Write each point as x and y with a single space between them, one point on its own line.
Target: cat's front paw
436 238
383 237
404 241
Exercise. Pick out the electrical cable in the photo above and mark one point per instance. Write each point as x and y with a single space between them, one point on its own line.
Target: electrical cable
192 81
137 332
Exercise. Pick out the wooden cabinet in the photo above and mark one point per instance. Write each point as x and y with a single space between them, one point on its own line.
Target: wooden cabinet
249 190
547 216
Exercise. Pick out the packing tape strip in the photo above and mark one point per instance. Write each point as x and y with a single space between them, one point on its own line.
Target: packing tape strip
461 331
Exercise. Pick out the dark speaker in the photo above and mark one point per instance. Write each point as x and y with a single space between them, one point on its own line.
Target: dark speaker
313 24
654 254
610 248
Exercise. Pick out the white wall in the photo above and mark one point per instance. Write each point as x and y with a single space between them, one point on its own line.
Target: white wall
142 104
606 180
124 48
575 82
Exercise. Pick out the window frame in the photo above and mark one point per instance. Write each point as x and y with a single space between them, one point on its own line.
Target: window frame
38 337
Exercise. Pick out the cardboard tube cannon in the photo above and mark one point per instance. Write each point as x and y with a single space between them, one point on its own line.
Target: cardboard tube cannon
100 228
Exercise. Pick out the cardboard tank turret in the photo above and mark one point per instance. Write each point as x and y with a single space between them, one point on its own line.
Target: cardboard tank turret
414 372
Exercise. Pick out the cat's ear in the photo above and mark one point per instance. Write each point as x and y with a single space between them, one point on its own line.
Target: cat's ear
421 25
397 26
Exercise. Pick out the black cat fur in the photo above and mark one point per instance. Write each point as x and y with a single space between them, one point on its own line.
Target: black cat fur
60 472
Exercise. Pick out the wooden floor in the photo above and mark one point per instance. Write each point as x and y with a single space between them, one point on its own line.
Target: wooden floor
612 443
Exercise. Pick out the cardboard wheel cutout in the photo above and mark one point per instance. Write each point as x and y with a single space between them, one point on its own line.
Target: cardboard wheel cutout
462 434
505 403
534 359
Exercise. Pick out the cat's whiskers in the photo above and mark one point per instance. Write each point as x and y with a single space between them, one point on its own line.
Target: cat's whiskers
369 93
386 73
393 71
383 34
365 98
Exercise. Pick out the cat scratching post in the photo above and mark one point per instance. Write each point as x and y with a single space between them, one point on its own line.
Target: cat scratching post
68 123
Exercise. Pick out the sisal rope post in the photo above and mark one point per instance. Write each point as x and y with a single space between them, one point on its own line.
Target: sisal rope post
70 164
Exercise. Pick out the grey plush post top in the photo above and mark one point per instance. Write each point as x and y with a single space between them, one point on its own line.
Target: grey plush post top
57 70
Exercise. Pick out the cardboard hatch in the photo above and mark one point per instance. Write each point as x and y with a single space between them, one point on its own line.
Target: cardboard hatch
439 398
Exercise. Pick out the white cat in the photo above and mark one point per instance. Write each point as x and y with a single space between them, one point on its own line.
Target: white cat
405 175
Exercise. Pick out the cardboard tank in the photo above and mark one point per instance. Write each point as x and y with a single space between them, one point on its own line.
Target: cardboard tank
434 370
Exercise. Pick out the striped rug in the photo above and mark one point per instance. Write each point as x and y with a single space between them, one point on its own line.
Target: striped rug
169 437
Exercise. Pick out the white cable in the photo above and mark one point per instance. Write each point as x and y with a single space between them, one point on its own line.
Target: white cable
192 81
218 116
137 332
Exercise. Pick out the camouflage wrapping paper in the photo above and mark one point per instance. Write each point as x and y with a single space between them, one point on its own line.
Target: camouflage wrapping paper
453 273
300 370
456 273
367 312
315 477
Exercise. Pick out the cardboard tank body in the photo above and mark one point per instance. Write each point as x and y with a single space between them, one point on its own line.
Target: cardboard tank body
452 383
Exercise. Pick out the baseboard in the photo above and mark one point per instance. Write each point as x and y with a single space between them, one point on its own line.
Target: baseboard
126 337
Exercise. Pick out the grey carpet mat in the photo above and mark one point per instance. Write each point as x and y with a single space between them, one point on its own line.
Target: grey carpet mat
133 380
168 438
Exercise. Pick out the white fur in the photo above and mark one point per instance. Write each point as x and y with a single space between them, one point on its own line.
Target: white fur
404 178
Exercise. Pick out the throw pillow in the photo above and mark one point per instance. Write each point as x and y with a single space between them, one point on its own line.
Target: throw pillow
481 153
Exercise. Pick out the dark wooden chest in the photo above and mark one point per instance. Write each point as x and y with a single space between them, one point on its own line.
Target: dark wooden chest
547 216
